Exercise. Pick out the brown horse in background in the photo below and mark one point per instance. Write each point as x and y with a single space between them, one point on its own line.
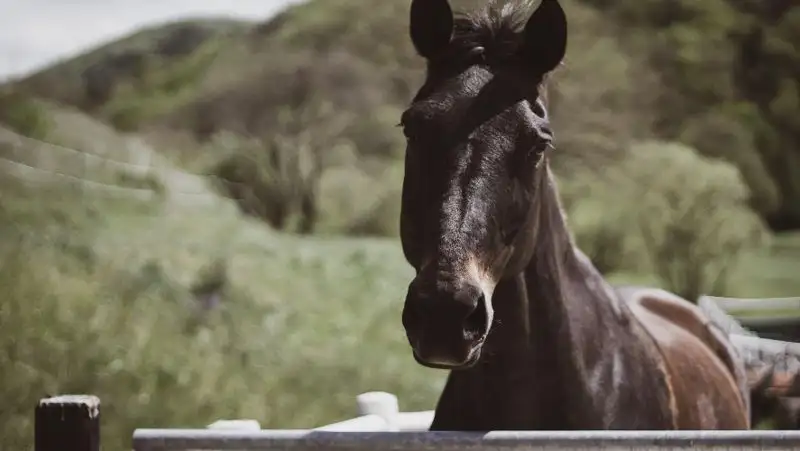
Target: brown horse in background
534 337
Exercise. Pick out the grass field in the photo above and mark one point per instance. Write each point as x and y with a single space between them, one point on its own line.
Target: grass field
300 319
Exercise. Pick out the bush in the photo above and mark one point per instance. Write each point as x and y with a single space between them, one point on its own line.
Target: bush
127 117
113 333
265 180
24 115
382 219
277 176
148 180
687 213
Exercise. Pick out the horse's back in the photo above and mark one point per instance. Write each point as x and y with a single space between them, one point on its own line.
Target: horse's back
707 376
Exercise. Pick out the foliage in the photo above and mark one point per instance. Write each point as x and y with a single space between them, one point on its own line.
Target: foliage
734 58
23 114
281 172
598 234
689 217
264 181
305 186
147 180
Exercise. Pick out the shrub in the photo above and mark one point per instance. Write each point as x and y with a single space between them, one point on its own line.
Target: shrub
688 213
127 117
113 333
263 179
277 176
24 115
148 180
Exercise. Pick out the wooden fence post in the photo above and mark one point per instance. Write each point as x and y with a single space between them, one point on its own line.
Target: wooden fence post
69 422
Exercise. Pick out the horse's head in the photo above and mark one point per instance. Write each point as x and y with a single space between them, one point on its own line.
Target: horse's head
477 133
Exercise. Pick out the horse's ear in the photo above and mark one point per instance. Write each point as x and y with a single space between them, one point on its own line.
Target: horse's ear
546 37
431 26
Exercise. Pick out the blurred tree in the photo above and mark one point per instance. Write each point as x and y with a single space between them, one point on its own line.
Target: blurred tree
738 59
691 215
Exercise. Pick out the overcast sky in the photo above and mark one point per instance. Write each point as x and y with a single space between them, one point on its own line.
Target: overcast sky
34 33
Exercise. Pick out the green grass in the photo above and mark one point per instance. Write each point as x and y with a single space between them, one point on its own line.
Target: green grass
98 300
770 272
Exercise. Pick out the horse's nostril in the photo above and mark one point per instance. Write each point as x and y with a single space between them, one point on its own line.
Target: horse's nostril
475 323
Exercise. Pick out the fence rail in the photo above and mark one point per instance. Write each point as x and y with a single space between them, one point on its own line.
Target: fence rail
301 440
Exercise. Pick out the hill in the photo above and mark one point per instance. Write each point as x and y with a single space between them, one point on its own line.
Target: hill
294 119
162 58
662 78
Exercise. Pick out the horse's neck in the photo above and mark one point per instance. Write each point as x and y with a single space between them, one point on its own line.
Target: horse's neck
552 323
567 297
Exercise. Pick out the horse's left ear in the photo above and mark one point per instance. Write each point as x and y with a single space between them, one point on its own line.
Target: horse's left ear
545 37
430 26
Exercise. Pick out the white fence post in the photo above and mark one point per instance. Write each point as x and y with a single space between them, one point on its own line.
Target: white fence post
235 425
380 403
377 412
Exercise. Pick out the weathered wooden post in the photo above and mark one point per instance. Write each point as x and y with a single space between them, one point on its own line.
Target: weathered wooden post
69 422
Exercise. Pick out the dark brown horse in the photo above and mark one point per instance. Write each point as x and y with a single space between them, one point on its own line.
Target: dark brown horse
482 224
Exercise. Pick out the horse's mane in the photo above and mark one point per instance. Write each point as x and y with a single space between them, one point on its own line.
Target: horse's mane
496 28
493 34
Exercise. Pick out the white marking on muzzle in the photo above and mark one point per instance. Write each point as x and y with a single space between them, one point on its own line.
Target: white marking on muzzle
487 283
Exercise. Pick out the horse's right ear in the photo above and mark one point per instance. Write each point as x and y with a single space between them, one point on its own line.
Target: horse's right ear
546 37
431 26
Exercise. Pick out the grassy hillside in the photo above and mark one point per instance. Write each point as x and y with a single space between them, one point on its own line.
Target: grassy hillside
175 308
162 60
121 290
